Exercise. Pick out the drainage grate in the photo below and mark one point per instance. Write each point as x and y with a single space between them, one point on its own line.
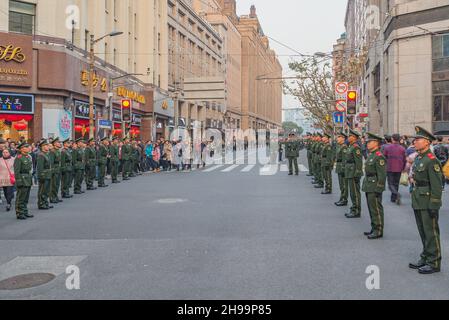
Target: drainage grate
26 281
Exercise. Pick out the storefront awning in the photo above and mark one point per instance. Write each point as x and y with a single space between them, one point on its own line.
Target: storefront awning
16 117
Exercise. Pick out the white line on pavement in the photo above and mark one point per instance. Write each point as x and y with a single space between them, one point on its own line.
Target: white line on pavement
229 169
248 168
213 168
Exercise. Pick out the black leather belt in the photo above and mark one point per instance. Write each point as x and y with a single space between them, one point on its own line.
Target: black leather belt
369 175
422 183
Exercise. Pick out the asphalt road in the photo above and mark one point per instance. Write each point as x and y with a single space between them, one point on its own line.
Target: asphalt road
230 232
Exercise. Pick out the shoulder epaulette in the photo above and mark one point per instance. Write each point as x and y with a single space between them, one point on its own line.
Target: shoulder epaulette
19 156
379 154
431 156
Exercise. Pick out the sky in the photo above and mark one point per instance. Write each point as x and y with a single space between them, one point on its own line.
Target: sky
308 26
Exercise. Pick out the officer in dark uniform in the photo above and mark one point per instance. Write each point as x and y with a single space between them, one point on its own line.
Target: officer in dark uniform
55 160
66 169
23 167
374 185
90 156
341 150
292 153
44 173
79 165
103 155
327 163
115 161
426 202
353 173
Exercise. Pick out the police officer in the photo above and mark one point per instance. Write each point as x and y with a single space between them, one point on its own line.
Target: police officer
103 154
426 202
55 160
23 166
90 158
327 163
66 169
353 173
341 150
374 185
44 173
115 161
78 165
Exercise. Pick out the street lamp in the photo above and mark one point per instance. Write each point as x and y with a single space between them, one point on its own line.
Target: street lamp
92 76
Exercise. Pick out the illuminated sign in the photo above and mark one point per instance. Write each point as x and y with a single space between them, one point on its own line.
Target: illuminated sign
11 53
129 94
16 103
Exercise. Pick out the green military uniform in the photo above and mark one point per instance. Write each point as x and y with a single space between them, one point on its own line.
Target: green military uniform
66 171
115 161
44 174
317 160
327 164
340 156
90 158
103 154
134 160
79 168
292 154
23 166
374 186
426 203
126 160
353 174
309 155
55 160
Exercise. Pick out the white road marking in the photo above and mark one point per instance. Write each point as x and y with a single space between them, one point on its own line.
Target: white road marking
229 169
248 168
213 168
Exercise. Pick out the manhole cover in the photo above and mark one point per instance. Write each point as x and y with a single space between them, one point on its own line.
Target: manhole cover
171 201
26 281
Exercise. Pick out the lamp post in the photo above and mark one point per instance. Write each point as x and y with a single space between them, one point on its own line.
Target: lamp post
92 77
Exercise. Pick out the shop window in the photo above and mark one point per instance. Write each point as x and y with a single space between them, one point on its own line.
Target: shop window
22 17
441 108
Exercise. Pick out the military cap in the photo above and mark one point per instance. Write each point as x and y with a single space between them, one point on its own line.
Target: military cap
424 134
66 140
342 134
43 142
55 140
90 140
327 135
354 133
79 140
103 139
115 138
373 137
319 135
23 145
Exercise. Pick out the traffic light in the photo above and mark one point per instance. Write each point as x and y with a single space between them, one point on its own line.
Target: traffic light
126 110
352 102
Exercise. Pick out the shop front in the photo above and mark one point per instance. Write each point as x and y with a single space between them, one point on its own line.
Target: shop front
16 116
81 121
164 114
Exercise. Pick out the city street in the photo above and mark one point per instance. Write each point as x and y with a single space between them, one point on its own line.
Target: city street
226 232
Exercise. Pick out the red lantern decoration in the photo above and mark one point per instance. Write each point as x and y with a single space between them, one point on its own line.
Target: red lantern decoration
20 126
78 128
117 132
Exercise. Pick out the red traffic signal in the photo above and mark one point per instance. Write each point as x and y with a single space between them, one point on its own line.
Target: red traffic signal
126 104
126 110
352 102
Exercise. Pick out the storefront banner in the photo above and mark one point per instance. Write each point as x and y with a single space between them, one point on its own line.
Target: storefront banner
57 123
16 103
82 110
116 115
136 120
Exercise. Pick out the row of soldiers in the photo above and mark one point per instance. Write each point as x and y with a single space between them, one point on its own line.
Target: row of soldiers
63 164
347 159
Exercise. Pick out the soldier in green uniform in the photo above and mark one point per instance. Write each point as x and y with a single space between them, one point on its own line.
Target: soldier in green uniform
55 160
353 173
327 164
72 147
340 156
23 166
292 153
126 158
103 155
308 143
313 151
134 159
426 202
115 161
44 173
66 169
78 165
319 183
374 185
90 158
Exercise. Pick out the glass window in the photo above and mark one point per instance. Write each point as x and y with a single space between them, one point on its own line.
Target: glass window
445 108
21 17
437 102
446 45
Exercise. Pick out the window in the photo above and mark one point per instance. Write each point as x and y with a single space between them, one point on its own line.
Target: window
445 40
22 17
441 108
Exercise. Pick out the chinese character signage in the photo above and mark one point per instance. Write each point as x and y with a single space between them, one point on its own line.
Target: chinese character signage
82 110
16 62
16 103
99 82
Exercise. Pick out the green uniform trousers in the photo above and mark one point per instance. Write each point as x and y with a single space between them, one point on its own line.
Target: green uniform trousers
90 176
66 182
327 178
354 191
101 174
318 173
114 170
22 198
43 193
79 177
126 168
343 183
376 212
429 232
309 162
55 184
293 163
